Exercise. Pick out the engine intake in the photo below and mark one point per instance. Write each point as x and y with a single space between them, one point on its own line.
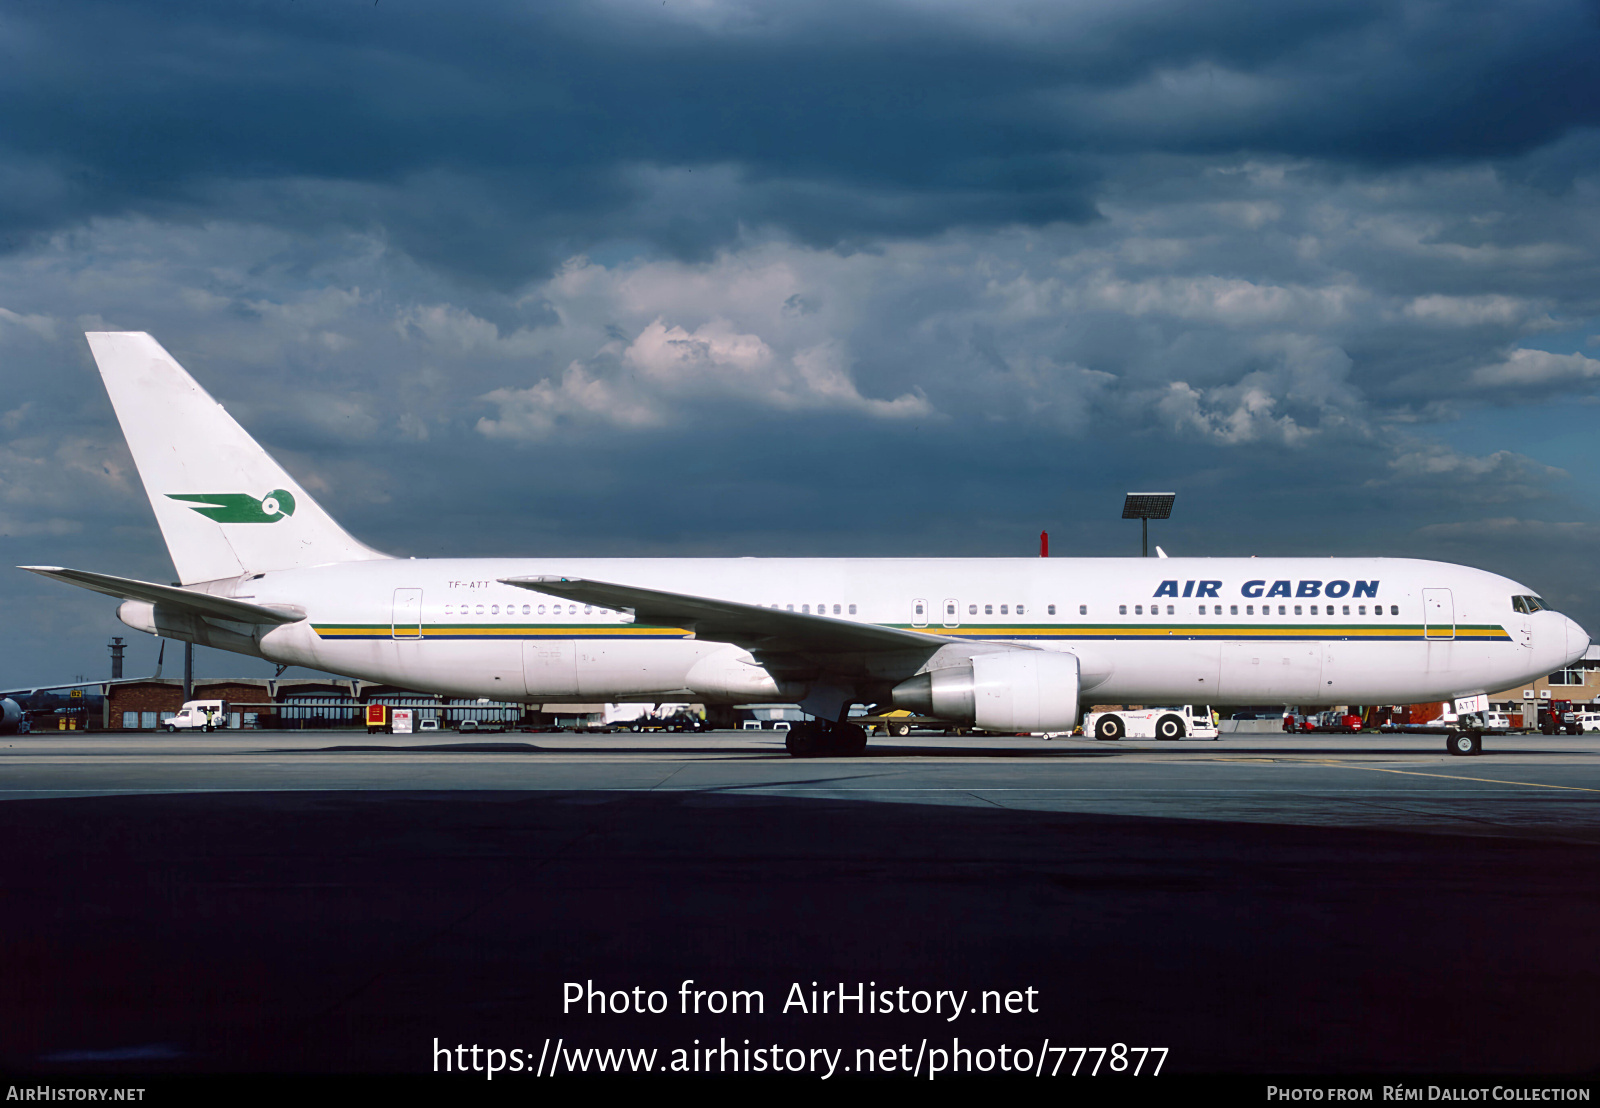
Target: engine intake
1014 690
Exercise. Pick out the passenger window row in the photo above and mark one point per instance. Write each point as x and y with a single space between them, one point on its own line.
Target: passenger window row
988 609
463 610
1250 609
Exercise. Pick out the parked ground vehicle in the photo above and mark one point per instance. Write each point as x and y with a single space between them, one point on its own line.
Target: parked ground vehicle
897 723
1190 721
1589 721
1489 722
1557 717
682 720
495 725
199 715
1495 721
1331 722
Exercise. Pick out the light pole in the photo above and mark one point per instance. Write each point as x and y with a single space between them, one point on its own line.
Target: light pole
1145 506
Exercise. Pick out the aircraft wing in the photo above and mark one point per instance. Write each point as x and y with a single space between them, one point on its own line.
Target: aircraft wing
199 603
748 625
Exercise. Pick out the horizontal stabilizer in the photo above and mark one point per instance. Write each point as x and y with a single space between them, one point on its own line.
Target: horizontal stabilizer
748 625
199 603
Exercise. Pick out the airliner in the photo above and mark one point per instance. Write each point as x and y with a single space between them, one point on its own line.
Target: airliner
998 644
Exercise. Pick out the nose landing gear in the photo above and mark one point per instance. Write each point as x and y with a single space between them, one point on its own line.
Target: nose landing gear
1464 743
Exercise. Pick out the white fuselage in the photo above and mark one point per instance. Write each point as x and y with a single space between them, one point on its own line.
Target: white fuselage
1179 630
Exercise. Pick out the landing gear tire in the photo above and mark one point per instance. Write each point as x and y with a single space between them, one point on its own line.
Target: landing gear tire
1169 727
1109 729
1464 744
850 739
801 741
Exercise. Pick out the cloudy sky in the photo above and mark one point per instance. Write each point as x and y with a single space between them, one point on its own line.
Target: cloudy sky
752 277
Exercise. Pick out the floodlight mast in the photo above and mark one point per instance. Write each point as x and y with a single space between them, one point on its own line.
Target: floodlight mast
1145 506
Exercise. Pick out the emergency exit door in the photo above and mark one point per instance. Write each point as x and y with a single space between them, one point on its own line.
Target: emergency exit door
1438 614
407 614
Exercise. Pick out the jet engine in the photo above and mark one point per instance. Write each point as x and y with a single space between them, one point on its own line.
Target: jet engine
10 715
1012 690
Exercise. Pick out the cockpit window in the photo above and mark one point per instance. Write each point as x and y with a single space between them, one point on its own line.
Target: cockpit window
1528 605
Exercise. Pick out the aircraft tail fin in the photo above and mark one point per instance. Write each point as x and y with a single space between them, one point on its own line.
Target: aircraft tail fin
225 507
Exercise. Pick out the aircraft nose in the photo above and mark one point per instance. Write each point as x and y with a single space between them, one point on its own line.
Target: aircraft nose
1577 640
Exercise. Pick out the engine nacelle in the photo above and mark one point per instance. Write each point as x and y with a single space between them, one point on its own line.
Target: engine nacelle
1013 690
10 715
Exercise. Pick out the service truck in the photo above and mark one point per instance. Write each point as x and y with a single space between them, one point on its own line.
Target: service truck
1192 721
199 715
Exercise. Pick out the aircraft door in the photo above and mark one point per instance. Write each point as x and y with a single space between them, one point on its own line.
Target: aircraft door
407 617
952 613
1438 614
919 613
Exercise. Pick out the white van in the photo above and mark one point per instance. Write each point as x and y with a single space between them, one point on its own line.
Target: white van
199 715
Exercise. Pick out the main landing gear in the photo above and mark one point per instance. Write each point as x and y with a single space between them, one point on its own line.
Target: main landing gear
816 738
1464 743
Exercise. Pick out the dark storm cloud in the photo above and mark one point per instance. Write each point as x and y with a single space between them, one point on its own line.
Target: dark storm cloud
550 125
826 278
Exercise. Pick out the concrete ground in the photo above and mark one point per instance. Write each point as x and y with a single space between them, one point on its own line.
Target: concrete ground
299 902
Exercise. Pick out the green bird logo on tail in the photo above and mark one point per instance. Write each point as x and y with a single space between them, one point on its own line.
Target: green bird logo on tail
237 507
